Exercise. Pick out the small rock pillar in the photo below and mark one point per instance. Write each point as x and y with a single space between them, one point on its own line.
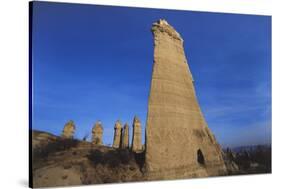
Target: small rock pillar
125 137
117 134
97 133
68 130
136 140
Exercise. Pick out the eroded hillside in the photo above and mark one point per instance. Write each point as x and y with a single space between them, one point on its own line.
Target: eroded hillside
61 162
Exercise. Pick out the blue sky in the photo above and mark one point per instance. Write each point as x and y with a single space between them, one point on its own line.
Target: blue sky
95 62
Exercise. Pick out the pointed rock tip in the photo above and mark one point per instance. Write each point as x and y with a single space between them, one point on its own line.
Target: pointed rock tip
70 122
98 124
136 119
118 124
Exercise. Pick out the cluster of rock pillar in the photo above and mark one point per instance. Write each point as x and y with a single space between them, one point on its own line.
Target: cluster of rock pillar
121 134
178 142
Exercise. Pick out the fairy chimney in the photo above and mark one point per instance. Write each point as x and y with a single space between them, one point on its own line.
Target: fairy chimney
179 143
125 137
68 130
97 133
136 140
117 134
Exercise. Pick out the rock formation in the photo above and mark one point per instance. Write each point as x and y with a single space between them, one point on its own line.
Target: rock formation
97 133
125 137
136 139
117 134
229 159
179 143
68 130
41 139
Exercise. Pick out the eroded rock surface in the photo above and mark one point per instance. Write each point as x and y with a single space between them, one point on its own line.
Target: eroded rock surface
59 161
136 140
125 137
179 143
117 134
68 130
97 133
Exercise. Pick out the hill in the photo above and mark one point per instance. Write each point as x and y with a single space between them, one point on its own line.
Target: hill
62 162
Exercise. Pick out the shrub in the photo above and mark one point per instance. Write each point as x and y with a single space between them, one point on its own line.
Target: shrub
112 158
52 147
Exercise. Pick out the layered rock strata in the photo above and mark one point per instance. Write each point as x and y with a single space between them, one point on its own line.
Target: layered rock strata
179 143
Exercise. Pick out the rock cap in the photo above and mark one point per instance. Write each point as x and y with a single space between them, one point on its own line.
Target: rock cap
118 124
163 26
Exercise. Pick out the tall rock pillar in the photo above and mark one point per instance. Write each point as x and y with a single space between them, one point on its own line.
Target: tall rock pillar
178 141
97 133
136 139
125 137
117 134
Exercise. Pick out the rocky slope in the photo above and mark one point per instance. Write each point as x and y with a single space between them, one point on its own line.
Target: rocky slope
62 162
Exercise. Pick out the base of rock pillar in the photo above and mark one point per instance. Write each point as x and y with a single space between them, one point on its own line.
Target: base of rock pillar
191 171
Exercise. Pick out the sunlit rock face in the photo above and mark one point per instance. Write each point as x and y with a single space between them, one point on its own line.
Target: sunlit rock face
68 130
125 137
97 133
179 143
136 141
117 134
